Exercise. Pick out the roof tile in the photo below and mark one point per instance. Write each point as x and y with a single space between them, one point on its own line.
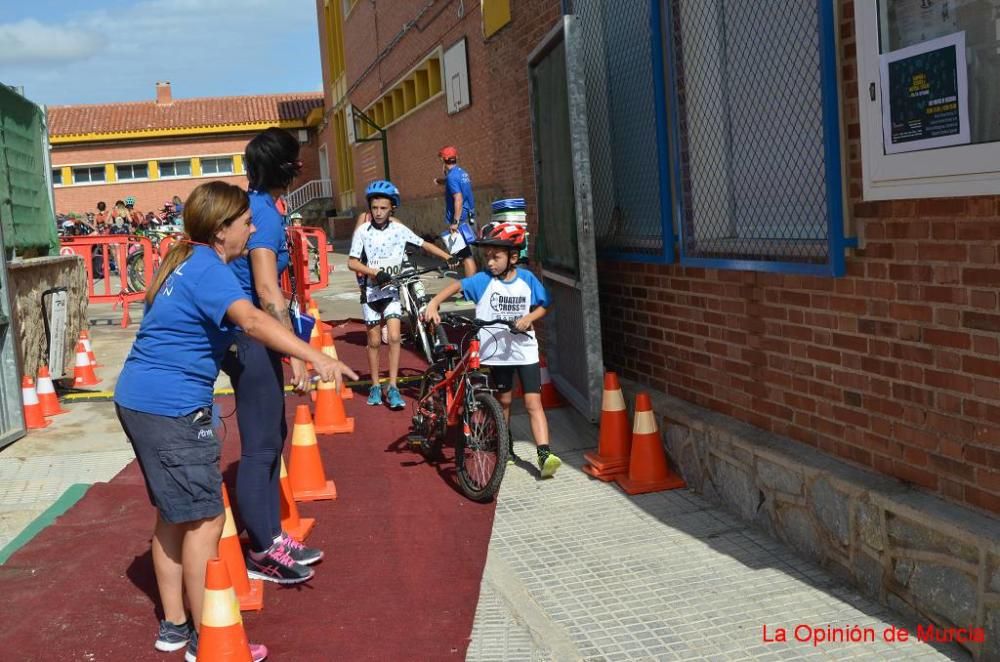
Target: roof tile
180 114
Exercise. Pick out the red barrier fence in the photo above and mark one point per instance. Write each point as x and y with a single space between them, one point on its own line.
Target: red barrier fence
106 259
311 268
104 254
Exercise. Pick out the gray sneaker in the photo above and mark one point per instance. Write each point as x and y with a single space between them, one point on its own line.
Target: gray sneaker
172 637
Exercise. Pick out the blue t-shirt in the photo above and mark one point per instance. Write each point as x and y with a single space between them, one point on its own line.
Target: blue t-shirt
177 353
270 233
457 181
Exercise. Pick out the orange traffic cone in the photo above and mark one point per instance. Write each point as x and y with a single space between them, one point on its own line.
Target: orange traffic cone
330 415
85 337
295 526
305 473
221 638
315 339
330 350
550 396
647 466
249 592
614 444
313 311
47 394
83 373
34 419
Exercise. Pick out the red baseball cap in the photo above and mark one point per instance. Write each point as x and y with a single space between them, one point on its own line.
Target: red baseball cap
448 152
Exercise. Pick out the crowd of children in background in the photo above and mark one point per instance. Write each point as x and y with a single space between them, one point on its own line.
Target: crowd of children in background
121 218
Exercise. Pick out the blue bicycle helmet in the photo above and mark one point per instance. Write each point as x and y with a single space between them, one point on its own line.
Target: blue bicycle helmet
129 201
382 188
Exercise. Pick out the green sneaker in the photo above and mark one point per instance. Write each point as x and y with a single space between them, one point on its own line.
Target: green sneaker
548 464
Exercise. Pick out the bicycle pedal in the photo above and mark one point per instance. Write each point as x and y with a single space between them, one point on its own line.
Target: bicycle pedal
415 440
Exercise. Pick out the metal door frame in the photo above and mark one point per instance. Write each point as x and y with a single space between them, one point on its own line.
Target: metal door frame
567 31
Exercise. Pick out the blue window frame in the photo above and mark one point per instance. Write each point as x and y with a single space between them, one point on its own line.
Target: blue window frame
754 125
622 51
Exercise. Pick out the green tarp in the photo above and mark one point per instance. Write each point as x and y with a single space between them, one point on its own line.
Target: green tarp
25 207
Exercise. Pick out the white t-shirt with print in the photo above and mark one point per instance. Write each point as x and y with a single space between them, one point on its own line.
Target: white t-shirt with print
384 249
506 300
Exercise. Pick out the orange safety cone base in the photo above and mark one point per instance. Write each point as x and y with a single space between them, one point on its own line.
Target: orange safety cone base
633 487
605 472
47 409
323 494
254 599
302 531
36 424
346 393
346 427
603 464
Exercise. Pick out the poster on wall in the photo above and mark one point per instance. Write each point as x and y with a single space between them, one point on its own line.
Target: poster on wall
925 93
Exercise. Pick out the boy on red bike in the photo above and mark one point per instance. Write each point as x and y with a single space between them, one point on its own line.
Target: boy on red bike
505 292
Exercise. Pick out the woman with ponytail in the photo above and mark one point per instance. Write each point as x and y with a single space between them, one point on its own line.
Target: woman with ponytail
163 397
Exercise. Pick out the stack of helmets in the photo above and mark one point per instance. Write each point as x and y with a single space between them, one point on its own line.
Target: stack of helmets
512 210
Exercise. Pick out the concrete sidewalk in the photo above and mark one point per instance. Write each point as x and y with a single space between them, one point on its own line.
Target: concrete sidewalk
579 571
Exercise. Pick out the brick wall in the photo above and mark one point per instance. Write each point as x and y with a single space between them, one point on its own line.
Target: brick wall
415 140
151 194
894 366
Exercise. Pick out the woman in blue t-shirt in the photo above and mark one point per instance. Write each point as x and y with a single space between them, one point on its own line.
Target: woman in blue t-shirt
272 162
163 397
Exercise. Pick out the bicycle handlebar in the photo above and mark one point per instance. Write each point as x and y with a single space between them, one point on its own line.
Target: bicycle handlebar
452 319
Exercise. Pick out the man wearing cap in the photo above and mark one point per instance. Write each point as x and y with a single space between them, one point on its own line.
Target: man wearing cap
459 209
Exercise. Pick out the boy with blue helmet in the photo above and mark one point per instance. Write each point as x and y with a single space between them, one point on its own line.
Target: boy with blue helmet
378 250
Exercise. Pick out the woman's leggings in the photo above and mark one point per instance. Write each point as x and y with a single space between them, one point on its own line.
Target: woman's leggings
258 381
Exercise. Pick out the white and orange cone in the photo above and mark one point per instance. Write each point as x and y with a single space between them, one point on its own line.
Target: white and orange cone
550 396
33 417
47 394
647 468
83 373
249 592
305 466
85 337
615 440
221 638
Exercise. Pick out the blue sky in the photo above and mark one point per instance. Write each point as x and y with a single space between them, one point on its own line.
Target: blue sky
101 51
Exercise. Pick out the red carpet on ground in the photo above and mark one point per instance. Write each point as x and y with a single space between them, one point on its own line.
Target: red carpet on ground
400 581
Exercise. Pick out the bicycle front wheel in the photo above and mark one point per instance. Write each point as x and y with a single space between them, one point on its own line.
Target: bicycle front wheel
482 449
136 266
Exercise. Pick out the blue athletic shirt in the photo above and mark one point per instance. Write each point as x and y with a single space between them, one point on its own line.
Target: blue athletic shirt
270 233
178 351
510 301
457 181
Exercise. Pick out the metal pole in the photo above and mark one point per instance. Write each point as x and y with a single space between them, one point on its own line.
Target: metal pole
385 152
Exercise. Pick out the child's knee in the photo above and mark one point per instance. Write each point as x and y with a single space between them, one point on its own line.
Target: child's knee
394 337
505 398
533 403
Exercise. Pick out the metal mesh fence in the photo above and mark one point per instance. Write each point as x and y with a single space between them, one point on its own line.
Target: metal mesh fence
750 115
618 62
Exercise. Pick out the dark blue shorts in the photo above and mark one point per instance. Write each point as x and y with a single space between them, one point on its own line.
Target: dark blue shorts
179 458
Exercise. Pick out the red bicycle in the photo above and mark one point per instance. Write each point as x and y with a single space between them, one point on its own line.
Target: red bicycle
454 390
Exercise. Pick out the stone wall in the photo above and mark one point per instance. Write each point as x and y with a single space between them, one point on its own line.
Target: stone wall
933 561
28 279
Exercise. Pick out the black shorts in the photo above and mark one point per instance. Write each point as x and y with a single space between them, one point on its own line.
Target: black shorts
530 376
179 458
464 253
